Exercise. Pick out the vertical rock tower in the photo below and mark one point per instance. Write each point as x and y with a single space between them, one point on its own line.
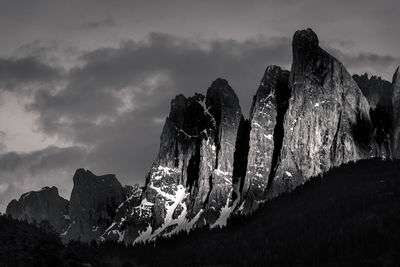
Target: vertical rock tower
327 122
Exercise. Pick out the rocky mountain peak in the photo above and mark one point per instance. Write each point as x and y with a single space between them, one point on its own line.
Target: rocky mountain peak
220 84
44 204
265 138
178 109
327 122
379 95
83 176
93 203
377 91
221 93
304 45
274 81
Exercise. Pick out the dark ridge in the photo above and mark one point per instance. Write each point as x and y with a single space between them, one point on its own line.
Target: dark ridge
379 95
241 153
375 89
282 98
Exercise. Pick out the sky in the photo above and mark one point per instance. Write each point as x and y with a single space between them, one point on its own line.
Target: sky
89 83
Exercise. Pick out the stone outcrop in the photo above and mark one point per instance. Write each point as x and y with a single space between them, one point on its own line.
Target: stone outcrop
190 182
266 120
223 104
396 114
93 204
41 205
327 122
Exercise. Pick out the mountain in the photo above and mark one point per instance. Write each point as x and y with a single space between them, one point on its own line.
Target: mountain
266 121
213 164
93 204
190 182
41 205
379 95
327 122
377 91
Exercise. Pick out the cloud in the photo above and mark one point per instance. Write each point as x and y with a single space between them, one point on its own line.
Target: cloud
22 172
107 22
3 136
17 73
139 75
367 62
371 62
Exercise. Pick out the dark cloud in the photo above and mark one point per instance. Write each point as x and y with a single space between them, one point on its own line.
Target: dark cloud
21 172
107 22
15 73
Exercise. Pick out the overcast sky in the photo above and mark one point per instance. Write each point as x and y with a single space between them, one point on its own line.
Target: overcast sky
89 83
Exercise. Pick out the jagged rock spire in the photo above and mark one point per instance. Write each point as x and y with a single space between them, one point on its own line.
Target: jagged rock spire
266 121
327 122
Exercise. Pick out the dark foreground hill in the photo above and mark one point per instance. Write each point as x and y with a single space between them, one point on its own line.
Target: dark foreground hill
350 217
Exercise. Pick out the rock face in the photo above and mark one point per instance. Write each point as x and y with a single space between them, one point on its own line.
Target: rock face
379 95
126 219
93 204
190 182
266 117
216 179
41 205
327 122
396 114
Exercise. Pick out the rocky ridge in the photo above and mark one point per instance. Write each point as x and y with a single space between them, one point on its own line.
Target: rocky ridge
327 122
41 205
93 203
379 95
